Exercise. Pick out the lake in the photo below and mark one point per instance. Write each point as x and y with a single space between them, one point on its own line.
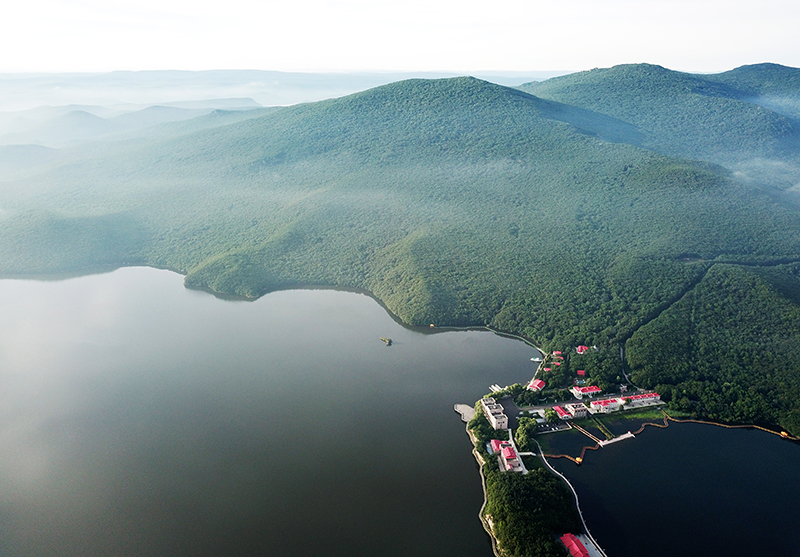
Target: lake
138 417
141 418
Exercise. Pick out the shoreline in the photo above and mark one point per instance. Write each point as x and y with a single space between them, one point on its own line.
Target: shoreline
487 526
100 270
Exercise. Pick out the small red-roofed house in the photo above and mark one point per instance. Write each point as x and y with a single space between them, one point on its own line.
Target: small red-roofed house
557 352
536 385
547 369
510 458
497 445
574 546
582 373
582 349
556 363
580 392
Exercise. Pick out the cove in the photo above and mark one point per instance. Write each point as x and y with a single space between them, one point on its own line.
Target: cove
138 417
689 489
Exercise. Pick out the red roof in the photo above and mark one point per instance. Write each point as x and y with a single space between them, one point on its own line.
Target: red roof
508 453
589 390
556 363
646 395
581 349
574 545
581 372
561 412
497 444
556 351
605 402
547 369
536 385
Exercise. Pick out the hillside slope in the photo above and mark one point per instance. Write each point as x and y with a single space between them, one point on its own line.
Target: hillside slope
732 118
456 202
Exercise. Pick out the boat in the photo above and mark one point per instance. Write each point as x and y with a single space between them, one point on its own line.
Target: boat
536 359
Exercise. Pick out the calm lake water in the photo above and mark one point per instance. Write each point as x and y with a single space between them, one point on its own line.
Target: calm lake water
141 418
691 489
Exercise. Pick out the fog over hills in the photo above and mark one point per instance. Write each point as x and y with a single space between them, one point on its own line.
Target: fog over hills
745 119
586 209
267 88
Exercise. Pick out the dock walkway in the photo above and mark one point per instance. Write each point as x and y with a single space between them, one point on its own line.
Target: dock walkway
628 435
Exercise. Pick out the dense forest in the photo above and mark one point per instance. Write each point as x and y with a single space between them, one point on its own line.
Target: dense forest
631 206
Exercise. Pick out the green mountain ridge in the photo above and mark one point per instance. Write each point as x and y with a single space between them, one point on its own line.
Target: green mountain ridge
709 118
454 201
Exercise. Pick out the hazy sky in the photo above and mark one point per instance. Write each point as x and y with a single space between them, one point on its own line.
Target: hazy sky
462 35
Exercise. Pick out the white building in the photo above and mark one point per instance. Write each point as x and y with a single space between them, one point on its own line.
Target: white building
494 413
576 409
647 399
580 392
605 406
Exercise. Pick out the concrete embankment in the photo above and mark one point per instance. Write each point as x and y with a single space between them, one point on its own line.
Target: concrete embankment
466 411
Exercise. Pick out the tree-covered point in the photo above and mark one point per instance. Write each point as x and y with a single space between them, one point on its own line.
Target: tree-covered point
527 512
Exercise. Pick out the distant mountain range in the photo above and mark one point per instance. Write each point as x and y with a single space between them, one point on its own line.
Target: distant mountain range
630 206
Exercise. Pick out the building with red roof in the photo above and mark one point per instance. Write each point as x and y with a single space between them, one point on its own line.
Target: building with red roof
537 385
510 460
582 349
497 445
605 406
580 392
563 414
646 399
574 546
582 372
557 352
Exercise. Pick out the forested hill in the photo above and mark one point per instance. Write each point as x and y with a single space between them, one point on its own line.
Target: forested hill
745 118
770 85
455 201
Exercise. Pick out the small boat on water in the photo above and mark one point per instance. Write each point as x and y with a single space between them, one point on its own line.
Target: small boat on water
536 359
388 341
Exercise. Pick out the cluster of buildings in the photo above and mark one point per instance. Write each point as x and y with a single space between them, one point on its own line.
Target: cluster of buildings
494 413
606 405
613 404
509 460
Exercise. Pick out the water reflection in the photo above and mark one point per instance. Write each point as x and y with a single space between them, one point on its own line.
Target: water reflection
138 417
